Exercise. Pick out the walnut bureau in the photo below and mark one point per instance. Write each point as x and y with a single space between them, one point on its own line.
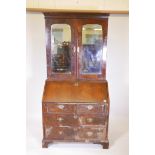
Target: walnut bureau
75 103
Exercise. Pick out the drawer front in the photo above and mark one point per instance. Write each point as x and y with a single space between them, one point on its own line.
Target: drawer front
61 120
90 108
59 133
60 108
91 119
91 134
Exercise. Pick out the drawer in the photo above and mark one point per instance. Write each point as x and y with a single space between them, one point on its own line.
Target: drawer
59 133
91 134
92 119
90 108
61 120
60 108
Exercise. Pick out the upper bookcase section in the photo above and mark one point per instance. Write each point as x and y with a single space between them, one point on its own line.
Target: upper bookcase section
76 45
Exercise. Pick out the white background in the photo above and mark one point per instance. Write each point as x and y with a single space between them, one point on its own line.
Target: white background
117 76
12 78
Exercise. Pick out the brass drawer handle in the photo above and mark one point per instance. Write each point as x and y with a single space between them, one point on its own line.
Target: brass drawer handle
60 132
61 106
90 107
89 120
89 133
75 116
60 119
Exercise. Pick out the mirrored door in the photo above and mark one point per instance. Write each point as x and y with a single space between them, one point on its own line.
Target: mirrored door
60 49
92 50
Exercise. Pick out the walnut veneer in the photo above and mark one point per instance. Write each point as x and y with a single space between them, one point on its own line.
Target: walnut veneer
75 105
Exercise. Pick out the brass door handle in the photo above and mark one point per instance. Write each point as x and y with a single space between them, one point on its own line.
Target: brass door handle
78 49
74 49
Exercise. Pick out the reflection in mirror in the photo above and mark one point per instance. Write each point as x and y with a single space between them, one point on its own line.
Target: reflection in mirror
92 49
61 48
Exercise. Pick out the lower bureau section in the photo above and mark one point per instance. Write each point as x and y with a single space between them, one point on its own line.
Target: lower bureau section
73 122
85 134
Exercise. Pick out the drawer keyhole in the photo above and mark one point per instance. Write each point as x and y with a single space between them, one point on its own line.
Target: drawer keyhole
76 84
89 133
60 119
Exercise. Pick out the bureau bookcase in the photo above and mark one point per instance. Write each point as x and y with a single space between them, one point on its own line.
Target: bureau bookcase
75 103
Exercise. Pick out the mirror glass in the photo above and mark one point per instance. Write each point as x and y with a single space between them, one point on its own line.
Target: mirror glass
61 48
92 49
